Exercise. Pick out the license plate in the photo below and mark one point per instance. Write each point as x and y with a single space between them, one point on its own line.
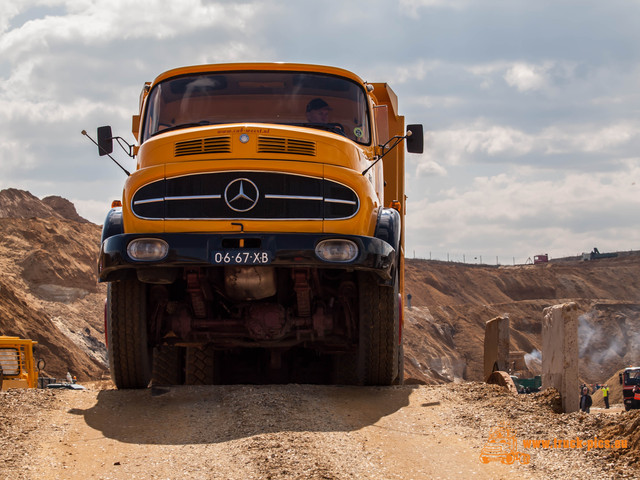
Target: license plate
240 257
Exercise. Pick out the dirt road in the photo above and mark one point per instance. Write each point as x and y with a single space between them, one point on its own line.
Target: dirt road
280 432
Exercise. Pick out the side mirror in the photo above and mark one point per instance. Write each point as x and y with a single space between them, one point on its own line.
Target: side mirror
105 141
415 141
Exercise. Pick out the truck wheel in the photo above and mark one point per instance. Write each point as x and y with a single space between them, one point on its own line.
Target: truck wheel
129 352
379 325
199 367
168 365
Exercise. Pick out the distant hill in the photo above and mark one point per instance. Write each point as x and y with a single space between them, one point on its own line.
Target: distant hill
16 203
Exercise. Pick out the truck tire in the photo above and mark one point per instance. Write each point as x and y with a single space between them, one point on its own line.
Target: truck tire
129 352
168 365
199 368
379 324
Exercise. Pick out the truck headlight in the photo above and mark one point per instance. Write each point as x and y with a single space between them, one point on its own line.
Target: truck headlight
337 250
147 249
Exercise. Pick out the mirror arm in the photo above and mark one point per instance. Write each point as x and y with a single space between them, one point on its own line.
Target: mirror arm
128 148
398 139
84 132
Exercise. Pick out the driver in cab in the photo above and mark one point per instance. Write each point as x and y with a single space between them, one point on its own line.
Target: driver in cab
318 111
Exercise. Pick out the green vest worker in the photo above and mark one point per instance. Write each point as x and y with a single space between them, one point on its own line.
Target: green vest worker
605 396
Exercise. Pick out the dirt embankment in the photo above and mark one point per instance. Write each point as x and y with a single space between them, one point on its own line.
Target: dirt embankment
451 302
48 289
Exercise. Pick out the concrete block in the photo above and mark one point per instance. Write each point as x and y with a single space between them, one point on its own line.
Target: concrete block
517 361
560 353
496 345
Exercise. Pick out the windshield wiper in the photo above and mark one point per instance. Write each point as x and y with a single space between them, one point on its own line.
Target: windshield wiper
329 127
201 123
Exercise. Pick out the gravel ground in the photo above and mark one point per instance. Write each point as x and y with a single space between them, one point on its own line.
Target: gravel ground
299 431
534 417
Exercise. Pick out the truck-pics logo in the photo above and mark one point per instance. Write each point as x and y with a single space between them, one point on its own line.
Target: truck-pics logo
503 446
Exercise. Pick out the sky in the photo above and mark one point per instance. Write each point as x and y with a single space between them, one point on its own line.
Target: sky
530 108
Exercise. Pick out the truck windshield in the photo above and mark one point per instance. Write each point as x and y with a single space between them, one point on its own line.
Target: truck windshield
310 100
632 377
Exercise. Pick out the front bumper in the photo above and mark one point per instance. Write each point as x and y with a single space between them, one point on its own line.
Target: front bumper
285 250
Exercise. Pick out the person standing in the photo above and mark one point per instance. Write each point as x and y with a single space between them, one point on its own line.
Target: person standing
605 395
585 400
636 395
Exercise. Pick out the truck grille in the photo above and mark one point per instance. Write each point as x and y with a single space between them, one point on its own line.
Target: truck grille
203 145
286 145
245 195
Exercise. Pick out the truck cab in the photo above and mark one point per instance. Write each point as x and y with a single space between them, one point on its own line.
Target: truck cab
630 381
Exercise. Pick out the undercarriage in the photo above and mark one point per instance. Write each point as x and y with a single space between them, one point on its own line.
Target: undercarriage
249 306
250 324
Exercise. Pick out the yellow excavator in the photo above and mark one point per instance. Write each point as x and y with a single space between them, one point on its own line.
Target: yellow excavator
17 365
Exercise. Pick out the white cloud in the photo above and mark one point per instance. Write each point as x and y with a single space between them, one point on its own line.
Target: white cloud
526 77
429 168
587 139
93 210
52 112
8 10
412 72
464 142
482 69
513 127
411 7
564 214
14 155
431 101
457 144
101 21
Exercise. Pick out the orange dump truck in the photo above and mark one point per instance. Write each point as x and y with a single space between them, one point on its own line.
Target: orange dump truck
265 214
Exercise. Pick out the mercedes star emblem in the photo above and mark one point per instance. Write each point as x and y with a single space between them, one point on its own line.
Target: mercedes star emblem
241 195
